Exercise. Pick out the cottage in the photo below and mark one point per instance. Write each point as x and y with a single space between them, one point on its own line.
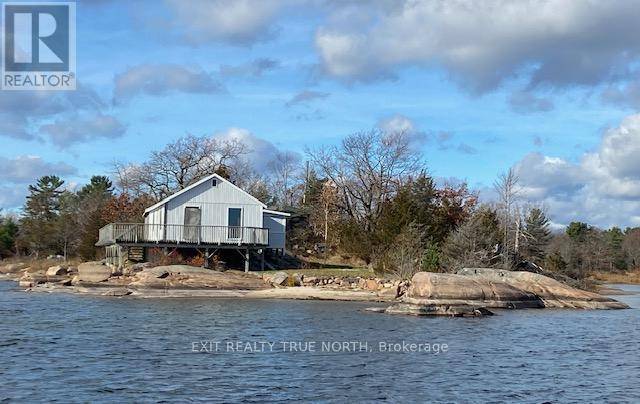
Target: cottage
209 215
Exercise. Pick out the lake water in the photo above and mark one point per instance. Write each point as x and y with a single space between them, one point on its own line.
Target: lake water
79 349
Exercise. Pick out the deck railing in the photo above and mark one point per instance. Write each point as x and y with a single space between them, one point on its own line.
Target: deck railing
134 233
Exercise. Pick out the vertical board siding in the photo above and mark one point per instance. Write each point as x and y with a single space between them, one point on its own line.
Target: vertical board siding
214 203
277 226
155 233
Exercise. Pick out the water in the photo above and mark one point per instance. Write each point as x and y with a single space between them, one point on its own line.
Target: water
78 349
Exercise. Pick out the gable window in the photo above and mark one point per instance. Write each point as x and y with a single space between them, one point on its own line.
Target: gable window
214 182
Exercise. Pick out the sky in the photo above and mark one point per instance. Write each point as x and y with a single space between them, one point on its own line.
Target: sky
548 87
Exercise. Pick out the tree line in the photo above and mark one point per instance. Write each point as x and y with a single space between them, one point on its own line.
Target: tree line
369 198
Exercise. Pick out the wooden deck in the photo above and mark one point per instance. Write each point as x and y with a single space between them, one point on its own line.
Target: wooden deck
177 235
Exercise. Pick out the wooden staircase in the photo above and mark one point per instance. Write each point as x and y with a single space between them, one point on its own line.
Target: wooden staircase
135 254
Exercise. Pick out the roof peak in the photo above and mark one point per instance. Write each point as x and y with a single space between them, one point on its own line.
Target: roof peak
195 184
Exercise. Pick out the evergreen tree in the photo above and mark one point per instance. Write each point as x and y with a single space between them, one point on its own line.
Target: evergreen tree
93 198
578 231
67 223
536 235
8 234
98 185
414 205
38 225
614 239
313 190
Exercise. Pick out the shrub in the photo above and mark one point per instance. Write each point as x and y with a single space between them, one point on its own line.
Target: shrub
196 261
406 255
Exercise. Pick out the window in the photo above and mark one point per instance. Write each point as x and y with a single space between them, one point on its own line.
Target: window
234 221
235 217
214 182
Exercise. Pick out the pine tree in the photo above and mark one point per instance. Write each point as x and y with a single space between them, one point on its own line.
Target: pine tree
98 185
38 225
67 223
93 198
617 257
537 236
8 233
578 231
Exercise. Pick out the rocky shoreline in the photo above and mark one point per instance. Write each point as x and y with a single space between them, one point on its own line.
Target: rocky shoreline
470 292
473 291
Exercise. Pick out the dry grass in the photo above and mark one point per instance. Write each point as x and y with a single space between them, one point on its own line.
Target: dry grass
630 277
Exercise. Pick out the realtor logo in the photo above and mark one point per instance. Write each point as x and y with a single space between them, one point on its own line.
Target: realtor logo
39 50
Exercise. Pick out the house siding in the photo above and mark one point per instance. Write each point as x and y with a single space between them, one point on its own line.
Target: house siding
277 226
214 203
155 217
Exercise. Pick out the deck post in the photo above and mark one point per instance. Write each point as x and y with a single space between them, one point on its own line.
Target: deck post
262 259
206 258
246 260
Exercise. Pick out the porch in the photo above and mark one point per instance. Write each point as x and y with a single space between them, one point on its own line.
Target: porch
141 234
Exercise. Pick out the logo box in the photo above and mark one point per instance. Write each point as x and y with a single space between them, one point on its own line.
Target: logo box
39 46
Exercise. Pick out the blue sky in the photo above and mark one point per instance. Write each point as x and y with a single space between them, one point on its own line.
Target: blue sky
550 88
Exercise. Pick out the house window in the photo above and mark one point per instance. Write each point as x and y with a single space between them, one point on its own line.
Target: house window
235 217
214 182
234 221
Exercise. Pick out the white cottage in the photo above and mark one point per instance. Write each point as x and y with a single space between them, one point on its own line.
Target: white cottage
209 215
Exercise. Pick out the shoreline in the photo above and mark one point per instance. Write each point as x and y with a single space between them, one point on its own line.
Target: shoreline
470 292
624 278
289 293
609 289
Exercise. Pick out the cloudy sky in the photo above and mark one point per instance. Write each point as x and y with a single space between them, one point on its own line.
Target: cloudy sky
550 87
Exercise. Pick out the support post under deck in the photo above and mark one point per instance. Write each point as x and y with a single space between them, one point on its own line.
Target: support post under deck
246 260
262 259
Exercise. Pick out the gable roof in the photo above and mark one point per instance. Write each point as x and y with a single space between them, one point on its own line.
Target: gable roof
195 184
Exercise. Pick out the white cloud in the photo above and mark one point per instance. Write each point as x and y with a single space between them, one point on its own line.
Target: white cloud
624 95
67 131
466 149
524 102
16 173
254 68
162 79
261 151
26 169
442 140
485 42
19 110
602 188
11 197
306 96
240 22
397 123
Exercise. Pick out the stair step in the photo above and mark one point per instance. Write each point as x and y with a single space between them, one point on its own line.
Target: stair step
135 253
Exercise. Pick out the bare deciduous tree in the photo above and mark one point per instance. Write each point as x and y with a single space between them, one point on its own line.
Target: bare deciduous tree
367 169
507 188
178 165
631 246
285 167
245 176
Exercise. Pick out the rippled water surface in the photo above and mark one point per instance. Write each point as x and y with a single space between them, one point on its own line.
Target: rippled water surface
78 349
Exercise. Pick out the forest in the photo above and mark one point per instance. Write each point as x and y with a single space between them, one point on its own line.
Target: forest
368 200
